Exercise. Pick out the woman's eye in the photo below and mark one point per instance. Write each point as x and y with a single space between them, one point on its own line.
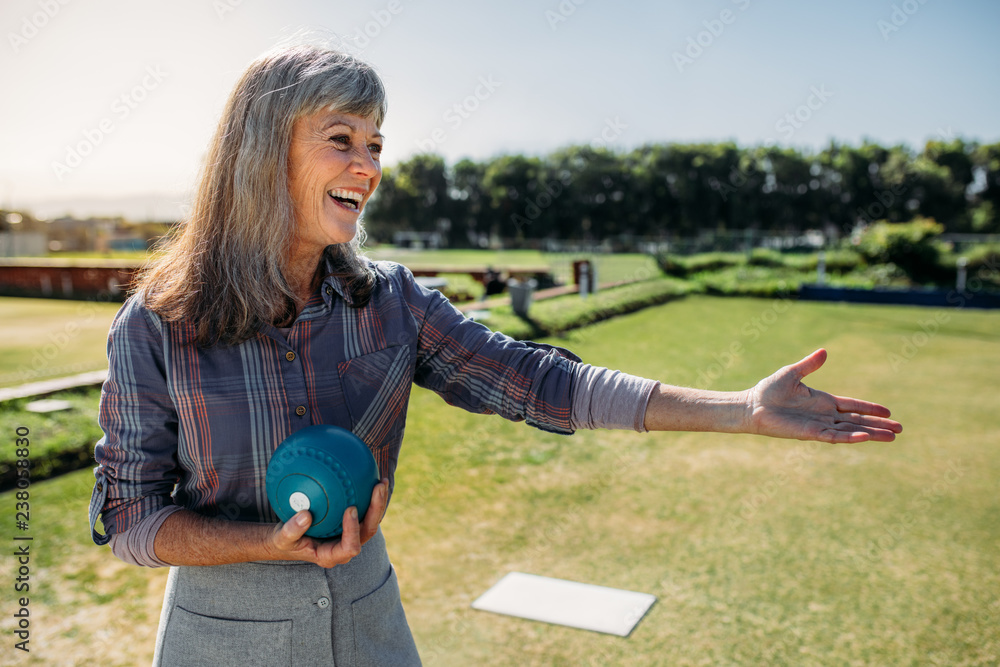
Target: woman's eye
376 149
341 139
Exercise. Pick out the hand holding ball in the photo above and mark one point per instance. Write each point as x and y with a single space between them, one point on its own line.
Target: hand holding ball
324 469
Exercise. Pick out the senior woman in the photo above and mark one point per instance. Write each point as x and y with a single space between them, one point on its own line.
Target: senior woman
263 318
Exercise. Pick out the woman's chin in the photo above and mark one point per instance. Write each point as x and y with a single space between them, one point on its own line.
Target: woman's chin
341 231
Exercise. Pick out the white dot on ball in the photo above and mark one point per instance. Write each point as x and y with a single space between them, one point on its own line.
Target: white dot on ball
299 501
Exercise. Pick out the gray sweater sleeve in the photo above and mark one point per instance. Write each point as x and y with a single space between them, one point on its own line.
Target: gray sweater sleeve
135 545
603 398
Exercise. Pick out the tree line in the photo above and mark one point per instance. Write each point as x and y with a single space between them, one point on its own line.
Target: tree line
668 191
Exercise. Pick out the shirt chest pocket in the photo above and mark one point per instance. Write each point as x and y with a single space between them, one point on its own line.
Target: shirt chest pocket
376 390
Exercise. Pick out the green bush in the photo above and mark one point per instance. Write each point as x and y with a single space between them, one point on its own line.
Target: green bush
758 281
909 245
681 267
561 314
672 265
843 261
985 257
766 257
60 441
461 287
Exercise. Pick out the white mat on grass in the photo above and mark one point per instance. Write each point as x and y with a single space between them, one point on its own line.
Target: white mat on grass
609 610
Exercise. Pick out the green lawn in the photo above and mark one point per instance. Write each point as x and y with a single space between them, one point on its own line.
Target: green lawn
760 551
43 338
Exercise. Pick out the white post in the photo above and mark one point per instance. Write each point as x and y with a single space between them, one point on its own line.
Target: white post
584 280
960 278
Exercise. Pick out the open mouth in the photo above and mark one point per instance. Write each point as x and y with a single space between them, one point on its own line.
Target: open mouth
347 199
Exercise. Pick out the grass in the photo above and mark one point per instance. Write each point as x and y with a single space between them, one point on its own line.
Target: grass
760 551
86 607
45 338
63 440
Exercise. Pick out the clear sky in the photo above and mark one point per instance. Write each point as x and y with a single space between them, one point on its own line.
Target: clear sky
138 86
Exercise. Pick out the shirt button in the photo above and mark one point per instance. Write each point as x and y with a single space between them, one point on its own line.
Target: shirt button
323 603
301 410
100 487
290 355
329 291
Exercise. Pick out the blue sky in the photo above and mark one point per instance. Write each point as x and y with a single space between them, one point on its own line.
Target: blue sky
139 86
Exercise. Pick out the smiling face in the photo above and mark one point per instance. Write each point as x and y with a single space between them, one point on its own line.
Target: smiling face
333 169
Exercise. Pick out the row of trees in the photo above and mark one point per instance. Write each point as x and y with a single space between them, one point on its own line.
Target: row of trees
680 190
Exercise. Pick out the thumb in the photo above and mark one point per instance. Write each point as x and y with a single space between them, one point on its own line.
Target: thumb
293 529
810 364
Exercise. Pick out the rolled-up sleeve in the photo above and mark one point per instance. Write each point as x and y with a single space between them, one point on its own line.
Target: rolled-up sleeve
137 456
486 372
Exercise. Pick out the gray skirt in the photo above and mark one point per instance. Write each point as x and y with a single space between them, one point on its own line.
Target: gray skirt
272 613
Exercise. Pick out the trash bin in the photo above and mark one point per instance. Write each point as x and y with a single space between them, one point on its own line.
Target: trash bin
521 294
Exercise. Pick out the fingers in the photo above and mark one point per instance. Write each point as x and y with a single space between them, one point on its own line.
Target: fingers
292 541
870 421
350 540
376 510
855 428
340 551
848 434
847 404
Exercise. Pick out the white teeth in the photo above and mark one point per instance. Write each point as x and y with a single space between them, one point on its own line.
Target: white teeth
356 197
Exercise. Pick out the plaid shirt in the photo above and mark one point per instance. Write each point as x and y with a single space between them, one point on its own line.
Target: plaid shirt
196 427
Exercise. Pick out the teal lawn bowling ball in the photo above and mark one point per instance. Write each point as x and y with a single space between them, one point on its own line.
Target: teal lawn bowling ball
324 469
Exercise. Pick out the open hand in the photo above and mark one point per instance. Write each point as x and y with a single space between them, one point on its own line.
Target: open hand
782 407
291 542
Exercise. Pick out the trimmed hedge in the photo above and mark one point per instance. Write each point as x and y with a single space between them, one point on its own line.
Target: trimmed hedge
59 441
555 316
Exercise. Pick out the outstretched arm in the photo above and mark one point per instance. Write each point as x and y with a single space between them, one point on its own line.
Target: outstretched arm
779 406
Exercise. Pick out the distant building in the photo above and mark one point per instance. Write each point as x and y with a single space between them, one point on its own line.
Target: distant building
20 235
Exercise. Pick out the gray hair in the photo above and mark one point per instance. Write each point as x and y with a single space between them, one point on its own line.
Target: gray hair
224 271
